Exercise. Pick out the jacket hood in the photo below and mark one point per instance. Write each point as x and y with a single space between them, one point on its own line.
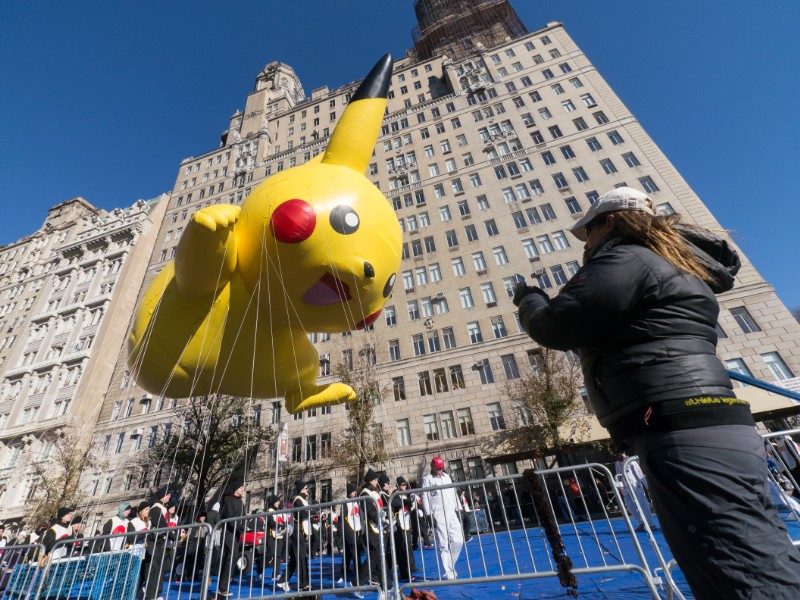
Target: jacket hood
714 253
122 508
233 484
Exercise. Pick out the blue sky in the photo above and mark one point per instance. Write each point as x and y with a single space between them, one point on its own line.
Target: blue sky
104 99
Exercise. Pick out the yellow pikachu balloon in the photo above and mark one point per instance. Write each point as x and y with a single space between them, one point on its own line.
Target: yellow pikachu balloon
313 248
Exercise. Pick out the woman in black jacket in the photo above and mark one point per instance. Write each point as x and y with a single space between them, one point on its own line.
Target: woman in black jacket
642 315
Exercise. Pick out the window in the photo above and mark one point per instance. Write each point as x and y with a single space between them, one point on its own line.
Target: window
500 256
558 274
444 213
592 196
491 228
547 73
648 184
431 427
776 365
496 419
555 131
545 245
487 292
465 424
572 205
560 181
458 266
390 316
560 240
537 138
567 151
510 366
588 100
544 113
499 327
419 344
737 365
448 424
665 209
631 160
615 138
403 433
608 166
399 388
394 350
580 174
472 233
600 117
568 106
465 296
745 320
474 331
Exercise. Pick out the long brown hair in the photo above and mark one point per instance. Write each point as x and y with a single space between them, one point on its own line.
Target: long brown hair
658 234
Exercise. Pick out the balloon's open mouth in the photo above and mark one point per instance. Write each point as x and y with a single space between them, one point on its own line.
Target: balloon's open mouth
327 291
369 320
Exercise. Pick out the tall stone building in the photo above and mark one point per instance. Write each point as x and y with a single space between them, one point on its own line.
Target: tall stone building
66 295
490 150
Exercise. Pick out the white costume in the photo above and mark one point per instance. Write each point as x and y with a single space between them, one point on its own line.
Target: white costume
638 482
444 506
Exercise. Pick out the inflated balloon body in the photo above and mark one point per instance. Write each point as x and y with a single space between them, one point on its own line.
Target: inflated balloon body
313 248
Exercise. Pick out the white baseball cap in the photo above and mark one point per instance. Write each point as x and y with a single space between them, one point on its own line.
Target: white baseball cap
621 198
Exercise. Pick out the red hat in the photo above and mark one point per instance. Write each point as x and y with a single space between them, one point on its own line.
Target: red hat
438 462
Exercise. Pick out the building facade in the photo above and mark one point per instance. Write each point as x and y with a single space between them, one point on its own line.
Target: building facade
488 157
67 293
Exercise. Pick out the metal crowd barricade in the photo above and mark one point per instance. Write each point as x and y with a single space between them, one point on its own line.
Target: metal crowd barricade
784 478
514 546
244 552
19 570
120 566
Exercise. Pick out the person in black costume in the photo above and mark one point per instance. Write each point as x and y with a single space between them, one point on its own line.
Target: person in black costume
158 554
642 315
231 505
298 542
375 530
402 506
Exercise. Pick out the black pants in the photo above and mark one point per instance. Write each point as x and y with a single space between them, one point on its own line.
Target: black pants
298 558
159 561
371 569
351 553
406 563
711 494
230 552
273 554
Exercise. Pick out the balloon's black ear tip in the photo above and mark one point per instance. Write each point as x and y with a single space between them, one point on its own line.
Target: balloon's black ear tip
376 83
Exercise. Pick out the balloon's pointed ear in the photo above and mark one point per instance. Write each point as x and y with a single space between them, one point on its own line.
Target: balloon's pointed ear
357 131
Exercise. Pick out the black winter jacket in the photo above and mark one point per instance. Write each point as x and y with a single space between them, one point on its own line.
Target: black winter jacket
645 331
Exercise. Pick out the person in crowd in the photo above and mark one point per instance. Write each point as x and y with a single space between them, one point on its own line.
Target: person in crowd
231 507
443 506
298 542
638 482
195 556
79 546
466 511
276 532
116 525
384 483
3 540
375 530
158 557
351 528
60 530
139 524
403 506
642 315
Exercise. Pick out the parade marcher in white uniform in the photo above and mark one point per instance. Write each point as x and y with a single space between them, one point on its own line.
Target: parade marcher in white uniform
444 507
638 482
117 524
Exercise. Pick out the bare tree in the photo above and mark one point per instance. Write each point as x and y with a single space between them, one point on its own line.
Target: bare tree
210 438
552 418
57 475
796 313
363 443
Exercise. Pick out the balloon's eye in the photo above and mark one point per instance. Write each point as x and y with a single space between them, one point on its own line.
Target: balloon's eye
293 221
387 289
344 220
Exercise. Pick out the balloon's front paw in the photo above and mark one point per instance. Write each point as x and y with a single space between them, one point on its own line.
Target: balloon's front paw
219 216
